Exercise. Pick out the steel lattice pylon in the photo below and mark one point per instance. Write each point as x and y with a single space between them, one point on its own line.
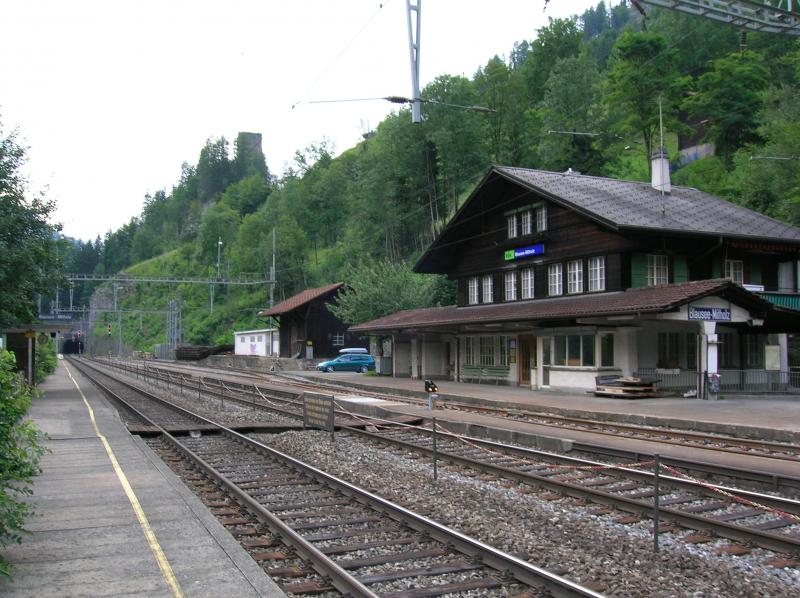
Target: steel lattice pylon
771 16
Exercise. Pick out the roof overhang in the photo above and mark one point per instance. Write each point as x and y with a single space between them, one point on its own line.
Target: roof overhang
618 308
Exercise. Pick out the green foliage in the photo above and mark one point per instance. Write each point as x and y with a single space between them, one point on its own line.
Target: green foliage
382 288
642 70
384 200
20 452
45 361
28 258
729 98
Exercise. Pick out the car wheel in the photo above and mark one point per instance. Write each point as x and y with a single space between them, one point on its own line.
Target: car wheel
363 369
329 369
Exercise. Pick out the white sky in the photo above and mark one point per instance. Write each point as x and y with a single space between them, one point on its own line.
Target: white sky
111 96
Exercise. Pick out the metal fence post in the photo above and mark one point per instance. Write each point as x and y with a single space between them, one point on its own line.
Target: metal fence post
656 472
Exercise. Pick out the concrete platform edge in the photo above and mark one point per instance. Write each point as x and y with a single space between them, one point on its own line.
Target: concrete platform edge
254 574
741 431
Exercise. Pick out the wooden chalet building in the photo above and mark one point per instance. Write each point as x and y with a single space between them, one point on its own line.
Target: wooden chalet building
563 277
305 322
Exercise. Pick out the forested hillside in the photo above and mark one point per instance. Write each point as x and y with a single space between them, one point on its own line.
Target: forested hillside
582 93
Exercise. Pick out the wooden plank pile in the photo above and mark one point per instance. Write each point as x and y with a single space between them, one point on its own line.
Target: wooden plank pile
626 387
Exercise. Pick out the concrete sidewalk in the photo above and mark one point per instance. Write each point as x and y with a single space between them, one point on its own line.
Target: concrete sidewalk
86 540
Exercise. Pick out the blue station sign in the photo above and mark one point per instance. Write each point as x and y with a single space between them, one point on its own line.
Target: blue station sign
523 252
709 314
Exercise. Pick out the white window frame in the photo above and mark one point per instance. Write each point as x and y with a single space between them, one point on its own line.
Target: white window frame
511 285
657 269
502 354
597 274
472 291
527 222
512 226
734 269
541 218
487 287
486 350
555 275
575 277
469 351
527 283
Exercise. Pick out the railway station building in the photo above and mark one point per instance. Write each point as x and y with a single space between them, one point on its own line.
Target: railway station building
306 328
563 278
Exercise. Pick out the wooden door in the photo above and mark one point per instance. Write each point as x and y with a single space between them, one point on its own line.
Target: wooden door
527 352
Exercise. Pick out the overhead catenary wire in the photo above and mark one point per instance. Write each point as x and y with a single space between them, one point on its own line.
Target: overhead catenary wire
341 53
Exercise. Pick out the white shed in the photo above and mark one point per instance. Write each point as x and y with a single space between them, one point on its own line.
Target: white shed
264 343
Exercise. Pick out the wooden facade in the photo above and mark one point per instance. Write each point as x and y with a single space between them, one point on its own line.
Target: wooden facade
477 242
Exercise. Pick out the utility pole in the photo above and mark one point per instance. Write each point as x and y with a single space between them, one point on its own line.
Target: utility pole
213 284
413 48
272 273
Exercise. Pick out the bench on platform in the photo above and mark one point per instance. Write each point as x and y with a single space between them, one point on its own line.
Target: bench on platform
485 372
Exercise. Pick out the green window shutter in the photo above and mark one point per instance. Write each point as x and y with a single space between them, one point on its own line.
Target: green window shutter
638 270
716 268
754 267
680 272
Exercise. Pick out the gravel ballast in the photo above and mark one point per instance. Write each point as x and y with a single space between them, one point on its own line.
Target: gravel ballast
561 535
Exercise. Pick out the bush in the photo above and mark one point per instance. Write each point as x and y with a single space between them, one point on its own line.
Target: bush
20 453
45 362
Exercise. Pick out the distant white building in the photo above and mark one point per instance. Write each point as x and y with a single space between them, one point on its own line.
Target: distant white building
262 343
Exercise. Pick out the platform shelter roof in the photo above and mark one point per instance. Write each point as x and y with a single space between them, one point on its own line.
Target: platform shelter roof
633 302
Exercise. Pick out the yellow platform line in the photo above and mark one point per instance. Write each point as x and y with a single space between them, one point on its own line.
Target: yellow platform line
150 536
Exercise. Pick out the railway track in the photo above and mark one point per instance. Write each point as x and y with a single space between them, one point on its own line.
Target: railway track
706 441
756 518
287 402
316 534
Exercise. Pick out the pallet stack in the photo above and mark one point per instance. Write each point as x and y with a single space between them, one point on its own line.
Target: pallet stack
626 387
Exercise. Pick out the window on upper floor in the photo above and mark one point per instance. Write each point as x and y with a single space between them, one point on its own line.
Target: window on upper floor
511 286
575 276
472 290
527 222
527 283
555 280
657 270
512 226
597 274
734 269
541 218
488 289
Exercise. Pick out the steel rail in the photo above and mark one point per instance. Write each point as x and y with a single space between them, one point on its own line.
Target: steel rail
776 481
522 571
783 544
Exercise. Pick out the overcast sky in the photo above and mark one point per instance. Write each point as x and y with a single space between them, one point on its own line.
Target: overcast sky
111 96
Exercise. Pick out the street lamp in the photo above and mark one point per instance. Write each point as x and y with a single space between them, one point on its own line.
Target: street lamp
219 248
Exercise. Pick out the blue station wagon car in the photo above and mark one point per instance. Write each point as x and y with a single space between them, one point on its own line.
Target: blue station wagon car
348 363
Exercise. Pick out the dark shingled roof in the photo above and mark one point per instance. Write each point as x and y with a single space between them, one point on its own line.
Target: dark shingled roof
633 301
630 204
299 300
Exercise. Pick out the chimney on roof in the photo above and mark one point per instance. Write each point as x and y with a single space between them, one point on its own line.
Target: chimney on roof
660 166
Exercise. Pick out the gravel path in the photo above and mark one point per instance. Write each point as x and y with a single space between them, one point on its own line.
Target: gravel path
559 534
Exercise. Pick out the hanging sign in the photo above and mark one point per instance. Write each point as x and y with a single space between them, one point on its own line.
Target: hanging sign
523 252
710 314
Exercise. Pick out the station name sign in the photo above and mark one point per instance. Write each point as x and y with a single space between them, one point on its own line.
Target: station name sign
523 252
711 314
